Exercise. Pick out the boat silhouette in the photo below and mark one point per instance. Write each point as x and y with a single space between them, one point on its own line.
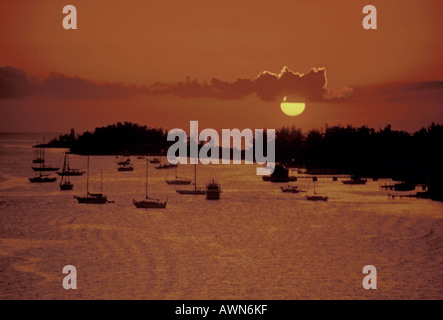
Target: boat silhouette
213 190
92 198
179 180
315 196
43 178
149 203
196 190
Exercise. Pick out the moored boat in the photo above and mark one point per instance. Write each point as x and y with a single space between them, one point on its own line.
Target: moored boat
43 179
213 190
92 198
149 203
178 180
290 189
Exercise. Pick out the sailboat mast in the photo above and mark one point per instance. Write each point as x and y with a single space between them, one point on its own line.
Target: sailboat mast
43 153
147 178
195 177
101 181
87 180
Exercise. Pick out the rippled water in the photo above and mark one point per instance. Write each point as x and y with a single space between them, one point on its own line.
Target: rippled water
254 243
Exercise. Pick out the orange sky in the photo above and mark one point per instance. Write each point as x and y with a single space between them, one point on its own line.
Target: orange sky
142 42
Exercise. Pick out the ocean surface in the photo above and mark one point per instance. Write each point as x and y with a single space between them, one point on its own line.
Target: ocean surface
254 243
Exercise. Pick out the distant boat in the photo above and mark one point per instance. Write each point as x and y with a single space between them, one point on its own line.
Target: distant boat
123 162
44 168
290 189
149 203
355 180
92 198
126 167
166 166
43 178
67 171
155 160
40 158
179 180
65 184
315 196
196 189
213 190
140 157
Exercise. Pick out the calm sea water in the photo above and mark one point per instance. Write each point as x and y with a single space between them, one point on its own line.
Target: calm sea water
254 243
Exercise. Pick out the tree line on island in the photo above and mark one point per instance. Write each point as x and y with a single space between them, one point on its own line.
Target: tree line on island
362 151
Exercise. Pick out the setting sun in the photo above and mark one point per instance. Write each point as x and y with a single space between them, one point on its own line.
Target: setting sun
292 108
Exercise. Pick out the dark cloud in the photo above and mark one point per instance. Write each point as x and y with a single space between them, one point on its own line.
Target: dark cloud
15 83
71 88
400 92
267 86
311 87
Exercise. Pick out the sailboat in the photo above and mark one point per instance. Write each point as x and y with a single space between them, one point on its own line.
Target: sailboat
155 160
42 178
95 198
41 161
65 184
316 197
39 155
124 162
149 203
67 171
179 180
290 189
166 166
126 167
196 190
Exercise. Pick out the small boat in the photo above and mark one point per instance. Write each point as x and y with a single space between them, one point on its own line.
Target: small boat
71 172
196 190
67 171
179 180
315 196
44 168
213 190
149 203
355 180
40 154
65 184
140 157
124 162
166 166
126 167
290 189
43 178
155 160
92 198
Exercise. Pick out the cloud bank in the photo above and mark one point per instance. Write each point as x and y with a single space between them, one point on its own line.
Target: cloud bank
310 87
